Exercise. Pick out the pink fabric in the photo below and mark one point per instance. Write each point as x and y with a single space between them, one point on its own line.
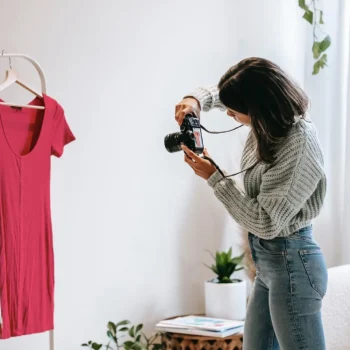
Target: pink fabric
27 140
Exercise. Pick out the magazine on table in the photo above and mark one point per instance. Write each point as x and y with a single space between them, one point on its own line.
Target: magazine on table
201 325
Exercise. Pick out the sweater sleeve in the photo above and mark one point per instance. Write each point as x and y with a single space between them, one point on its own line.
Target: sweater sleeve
284 190
208 98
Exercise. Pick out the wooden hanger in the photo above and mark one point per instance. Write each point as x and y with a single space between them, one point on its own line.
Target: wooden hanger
12 78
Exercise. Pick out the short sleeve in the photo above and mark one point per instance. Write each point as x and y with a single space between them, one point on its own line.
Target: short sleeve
62 134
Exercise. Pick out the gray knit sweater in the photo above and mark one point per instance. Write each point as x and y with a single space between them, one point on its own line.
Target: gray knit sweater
279 198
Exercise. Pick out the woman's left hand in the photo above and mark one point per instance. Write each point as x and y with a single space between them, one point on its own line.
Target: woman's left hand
200 166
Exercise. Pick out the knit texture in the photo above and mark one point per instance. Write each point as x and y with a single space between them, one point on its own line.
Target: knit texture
279 198
208 98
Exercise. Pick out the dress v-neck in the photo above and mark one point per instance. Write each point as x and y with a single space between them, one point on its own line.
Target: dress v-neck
21 113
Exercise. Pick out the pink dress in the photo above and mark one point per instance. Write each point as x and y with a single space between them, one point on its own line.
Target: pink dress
27 140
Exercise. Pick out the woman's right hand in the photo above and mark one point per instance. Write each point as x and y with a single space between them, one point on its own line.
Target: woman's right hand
188 105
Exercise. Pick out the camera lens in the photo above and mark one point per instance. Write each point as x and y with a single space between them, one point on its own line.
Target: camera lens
172 142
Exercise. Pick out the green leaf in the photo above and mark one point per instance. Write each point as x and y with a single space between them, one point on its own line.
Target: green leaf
138 346
230 252
323 60
238 260
84 344
217 258
110 335
123 323
96 346
209 267
325 43
309 16
225 265
321 17
225 280
240 268
303 5
138 338
128 344
112 328
132 332
124 329
221 261
316 50
316 68
138 328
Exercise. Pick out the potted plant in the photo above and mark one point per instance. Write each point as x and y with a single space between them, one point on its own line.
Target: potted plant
136 339
226 297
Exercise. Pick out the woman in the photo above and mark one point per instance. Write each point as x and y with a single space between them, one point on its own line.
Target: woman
285 186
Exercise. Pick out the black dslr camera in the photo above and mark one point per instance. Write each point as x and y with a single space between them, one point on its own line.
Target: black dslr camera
190 135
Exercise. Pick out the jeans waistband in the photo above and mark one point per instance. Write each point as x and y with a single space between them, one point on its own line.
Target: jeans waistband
304 232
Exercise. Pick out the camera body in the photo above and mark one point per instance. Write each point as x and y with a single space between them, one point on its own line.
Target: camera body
190 135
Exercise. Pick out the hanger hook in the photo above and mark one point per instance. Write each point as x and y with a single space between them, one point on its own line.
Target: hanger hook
10 63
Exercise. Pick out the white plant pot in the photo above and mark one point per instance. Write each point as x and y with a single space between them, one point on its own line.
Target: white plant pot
226 300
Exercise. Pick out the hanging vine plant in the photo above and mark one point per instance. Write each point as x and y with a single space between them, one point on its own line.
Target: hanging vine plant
314 15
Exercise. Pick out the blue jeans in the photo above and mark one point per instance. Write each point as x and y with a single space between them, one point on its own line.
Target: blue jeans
284 309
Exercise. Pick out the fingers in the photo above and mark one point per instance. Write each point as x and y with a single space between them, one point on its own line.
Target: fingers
205 152
181 112
186 106
188 159
190 162
201 167
191 154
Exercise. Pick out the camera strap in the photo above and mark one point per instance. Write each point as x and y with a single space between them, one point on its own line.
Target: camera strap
221 172
212 162
219 132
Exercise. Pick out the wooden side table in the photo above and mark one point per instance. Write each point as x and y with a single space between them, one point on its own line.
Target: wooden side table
174 341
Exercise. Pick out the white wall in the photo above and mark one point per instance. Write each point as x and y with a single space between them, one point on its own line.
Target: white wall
329 103
131 221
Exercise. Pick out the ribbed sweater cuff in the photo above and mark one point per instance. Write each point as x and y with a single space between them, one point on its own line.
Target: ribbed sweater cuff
214 179
202 96
208 98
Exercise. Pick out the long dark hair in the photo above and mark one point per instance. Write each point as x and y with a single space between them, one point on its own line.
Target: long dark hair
259 88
